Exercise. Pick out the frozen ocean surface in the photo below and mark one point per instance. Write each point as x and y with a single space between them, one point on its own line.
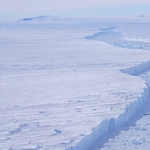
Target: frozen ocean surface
62 91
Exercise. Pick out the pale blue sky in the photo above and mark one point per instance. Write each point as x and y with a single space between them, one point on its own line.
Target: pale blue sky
107 11
30 8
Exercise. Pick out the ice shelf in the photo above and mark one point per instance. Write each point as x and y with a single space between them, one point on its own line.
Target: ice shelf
61 91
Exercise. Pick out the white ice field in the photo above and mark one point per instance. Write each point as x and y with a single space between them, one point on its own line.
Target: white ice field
65 82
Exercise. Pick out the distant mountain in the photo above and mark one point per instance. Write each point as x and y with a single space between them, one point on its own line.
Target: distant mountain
49 17
141 16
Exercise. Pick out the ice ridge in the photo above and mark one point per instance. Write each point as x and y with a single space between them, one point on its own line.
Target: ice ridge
113 123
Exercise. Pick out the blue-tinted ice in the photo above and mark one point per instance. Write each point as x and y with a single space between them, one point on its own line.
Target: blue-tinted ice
123 36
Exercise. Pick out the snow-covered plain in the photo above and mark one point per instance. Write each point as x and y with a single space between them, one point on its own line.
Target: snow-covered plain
60 90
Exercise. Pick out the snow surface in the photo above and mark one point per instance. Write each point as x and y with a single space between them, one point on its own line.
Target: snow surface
62 91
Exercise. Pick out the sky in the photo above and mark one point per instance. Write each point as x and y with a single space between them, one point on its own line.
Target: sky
32 8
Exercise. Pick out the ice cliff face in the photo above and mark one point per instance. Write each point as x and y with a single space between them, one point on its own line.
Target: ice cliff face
117 38
113 123
137 69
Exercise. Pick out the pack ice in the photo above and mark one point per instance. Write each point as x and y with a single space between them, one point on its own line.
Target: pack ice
59 90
